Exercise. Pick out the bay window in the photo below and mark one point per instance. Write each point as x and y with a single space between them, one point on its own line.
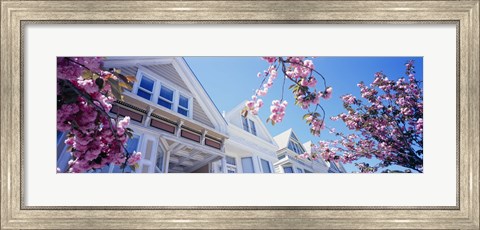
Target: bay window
167 95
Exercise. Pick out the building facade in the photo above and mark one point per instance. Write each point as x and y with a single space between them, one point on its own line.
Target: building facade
178 128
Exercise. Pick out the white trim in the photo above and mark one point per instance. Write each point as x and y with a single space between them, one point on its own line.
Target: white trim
136 86
269 165
260 128
158 83
113 62
198 92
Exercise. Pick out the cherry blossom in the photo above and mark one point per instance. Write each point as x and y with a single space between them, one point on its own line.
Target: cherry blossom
84 100
387 124
301 72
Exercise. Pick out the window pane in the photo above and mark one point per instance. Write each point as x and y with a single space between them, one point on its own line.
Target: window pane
245 124
290 145
183 101
166 93
299 170
164 103
132 144
266 166
306 171
288 169
252 128
59 136
147 83
247 164
144 94
299 148
231 160
159 164
183 111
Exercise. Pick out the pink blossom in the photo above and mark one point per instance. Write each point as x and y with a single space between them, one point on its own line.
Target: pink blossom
134 158
328 93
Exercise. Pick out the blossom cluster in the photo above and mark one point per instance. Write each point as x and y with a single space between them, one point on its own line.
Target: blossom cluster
317 124
389 123
254 105
277 110
84 99
301 72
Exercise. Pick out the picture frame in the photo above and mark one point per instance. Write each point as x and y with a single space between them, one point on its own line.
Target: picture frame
15 215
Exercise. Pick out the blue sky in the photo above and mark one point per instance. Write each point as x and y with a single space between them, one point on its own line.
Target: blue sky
231 80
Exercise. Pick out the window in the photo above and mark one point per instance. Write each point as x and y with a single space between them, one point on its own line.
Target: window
306 171
249 126
168 96
159 162
165 98
145 89
183 105
288 169
266 166
252 127
295 147
247 164
245 124
231 164
132 145
299 170
59 136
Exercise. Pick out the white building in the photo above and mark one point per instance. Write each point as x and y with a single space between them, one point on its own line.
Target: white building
250 148
289 149
178 128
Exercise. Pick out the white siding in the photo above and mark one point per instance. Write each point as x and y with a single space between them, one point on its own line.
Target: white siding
167 71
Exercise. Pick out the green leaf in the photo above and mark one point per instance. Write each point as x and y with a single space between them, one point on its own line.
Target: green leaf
132 167
306 116
116 89
125 85
87 74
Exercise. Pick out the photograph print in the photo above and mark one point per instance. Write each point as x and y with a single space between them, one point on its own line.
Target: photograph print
149 114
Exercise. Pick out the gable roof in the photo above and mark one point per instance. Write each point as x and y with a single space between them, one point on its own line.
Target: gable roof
259 124
284 138
176 71
308 146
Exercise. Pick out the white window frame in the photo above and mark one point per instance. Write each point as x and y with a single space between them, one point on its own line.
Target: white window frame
165 99
243 125
250 122
140 75
190 99
269 165
230 166
249 126
157 85
297 147
253 164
